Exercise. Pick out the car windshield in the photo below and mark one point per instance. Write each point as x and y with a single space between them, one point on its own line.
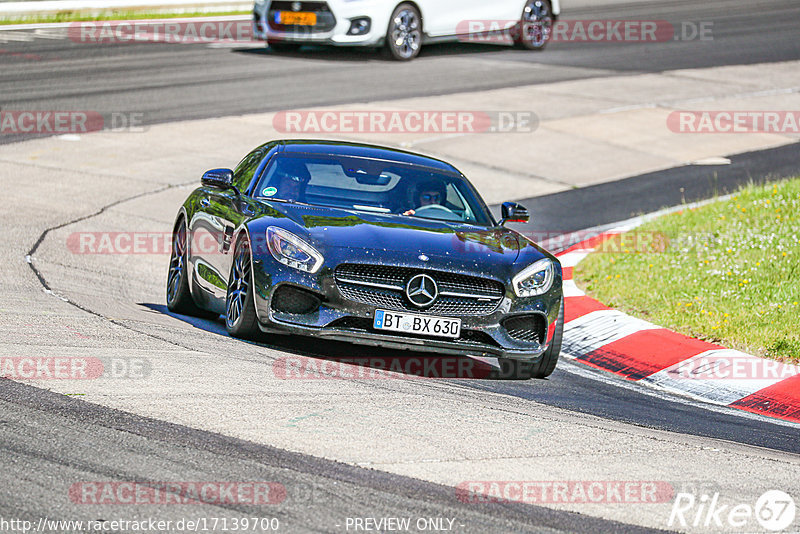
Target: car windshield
377 186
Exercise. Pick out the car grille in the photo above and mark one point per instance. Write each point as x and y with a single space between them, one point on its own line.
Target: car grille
474 338
528 328
325 19
384 287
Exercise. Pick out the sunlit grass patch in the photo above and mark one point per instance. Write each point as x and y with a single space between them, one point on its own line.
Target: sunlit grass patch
727 272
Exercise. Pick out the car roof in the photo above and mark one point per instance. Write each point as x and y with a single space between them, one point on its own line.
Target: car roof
342 148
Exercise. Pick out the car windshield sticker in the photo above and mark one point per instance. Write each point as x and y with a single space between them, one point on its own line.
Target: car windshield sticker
269 192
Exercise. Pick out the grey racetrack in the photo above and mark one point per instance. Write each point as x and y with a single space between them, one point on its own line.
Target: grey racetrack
49 440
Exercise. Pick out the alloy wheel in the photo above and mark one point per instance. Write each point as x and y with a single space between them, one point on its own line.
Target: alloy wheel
239 285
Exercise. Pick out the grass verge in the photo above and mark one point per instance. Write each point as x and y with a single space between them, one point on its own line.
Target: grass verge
71 16
727 272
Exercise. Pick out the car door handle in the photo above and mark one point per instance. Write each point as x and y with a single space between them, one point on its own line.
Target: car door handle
205 202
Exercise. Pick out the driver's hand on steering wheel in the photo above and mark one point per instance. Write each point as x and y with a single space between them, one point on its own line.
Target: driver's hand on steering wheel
409 212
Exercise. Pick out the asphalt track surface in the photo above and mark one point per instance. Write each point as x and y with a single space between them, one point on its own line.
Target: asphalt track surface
611 202
177 82
47 438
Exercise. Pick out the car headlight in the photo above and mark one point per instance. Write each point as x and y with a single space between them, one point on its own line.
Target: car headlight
292 251
535 280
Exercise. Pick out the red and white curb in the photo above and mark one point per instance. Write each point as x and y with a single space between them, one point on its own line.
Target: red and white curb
600 337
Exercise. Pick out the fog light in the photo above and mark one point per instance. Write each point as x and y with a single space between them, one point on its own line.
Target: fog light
359 26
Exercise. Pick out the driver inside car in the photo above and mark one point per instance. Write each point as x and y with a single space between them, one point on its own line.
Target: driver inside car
291 179
428 193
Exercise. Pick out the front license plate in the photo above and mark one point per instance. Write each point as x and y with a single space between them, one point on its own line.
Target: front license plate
424 325
296 18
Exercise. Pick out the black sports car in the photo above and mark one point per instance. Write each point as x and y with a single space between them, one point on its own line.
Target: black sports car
365 244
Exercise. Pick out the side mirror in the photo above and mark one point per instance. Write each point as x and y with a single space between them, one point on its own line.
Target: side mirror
513 212
219 178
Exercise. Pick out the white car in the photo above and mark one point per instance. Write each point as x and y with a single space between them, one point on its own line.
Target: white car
402 27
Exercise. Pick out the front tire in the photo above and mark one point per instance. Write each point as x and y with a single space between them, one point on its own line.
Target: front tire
547 363
404 36
179 298
544 367
535 25
240 310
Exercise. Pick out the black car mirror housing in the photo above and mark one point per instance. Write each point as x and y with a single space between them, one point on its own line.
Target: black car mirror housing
513 212
218 178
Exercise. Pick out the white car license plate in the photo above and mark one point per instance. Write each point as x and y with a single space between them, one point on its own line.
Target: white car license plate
417 324
290 18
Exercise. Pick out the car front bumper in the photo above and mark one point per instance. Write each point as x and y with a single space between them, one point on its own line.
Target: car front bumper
338 318
334 22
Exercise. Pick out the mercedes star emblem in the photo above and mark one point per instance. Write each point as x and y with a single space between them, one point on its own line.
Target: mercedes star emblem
297 6
422 291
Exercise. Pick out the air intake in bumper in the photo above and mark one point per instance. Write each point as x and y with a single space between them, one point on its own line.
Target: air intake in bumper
295 301
527 328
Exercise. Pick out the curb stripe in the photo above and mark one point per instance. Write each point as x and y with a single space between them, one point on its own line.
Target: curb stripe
600 337
575 307
646 352
590 244
571 290
597 329
573 258
718 390
779 400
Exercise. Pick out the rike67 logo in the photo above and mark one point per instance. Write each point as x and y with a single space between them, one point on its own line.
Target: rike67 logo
774 511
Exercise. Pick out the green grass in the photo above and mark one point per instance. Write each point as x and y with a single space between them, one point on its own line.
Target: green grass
72 16
727 272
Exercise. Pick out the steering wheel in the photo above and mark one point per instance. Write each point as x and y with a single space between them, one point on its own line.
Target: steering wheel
437 211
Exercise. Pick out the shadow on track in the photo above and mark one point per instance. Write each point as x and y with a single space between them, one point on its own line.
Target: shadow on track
362 54
307 358
571 387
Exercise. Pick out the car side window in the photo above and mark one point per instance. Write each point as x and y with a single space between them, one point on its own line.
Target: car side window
456 203
243 174
454 199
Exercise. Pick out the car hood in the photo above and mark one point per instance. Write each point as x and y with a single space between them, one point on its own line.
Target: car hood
407 237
